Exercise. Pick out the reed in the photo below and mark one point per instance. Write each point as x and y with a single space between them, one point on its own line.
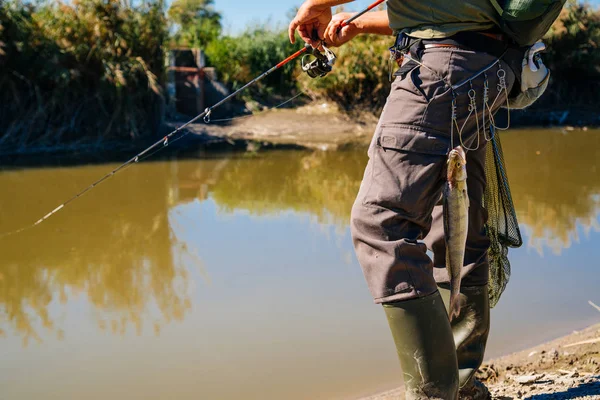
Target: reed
86 71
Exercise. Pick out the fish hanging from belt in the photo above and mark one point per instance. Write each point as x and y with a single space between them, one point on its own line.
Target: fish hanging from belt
456 223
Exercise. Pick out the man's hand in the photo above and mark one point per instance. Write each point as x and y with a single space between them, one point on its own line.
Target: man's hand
310 18
334 36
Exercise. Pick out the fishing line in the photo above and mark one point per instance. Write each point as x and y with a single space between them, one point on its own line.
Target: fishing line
259 113
152 149
142 156
221 139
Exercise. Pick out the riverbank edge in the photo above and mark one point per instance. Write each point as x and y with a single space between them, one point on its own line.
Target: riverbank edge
564 368
316 126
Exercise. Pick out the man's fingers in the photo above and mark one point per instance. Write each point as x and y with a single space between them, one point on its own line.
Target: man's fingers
292 31
332 33
321 30
326 34
306 33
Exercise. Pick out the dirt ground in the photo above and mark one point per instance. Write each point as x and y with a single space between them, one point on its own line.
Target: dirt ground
316 126
567 368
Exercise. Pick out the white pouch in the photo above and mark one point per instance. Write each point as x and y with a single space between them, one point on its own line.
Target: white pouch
534 78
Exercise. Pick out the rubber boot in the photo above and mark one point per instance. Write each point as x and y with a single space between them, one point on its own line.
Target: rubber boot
470 330
425 347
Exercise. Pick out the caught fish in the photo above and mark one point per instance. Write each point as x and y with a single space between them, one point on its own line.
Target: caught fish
456 222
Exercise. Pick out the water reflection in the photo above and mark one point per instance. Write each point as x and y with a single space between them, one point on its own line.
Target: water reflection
117 246
208 276
555 180
117 254
323 184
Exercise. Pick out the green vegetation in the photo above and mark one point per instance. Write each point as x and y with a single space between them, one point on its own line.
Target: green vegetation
240 59
86 69
90 71
573 57
196 21
360 77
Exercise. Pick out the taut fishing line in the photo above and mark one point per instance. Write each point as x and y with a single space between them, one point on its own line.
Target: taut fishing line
150 151
313 69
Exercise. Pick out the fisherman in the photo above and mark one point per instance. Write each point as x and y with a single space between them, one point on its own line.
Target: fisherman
397 215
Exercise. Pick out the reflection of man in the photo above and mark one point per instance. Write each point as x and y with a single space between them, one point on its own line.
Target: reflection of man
397 215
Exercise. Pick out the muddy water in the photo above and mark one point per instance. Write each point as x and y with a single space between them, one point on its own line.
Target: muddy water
234 277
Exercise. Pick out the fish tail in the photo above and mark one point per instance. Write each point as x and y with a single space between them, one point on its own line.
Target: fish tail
454 306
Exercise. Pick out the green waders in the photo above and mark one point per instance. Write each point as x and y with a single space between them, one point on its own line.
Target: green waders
425 347
439 357
470 330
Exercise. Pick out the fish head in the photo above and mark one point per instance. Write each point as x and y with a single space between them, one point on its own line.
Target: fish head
457 165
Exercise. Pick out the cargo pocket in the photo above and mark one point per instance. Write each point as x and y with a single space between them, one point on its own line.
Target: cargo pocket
407 171
428 83
430 80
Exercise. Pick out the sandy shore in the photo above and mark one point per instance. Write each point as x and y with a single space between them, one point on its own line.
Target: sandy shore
565 368
316 126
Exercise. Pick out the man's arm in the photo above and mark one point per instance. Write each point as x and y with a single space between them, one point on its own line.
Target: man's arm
313 15
376 22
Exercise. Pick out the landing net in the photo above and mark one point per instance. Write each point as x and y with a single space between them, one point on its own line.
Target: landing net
502 226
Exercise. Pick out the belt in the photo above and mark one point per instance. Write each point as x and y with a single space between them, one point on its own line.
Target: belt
481 41
497 45
486 42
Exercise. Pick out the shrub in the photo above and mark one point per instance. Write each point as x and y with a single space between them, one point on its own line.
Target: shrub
240 59
82 71
573 55
360 76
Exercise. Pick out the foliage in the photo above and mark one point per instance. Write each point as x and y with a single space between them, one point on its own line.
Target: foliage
573 56
360 76
242 58
86 69
197 22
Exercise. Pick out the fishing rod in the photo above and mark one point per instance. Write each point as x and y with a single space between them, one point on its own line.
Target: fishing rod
360 14
318 68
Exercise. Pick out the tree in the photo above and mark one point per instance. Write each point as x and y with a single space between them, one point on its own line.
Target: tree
197 22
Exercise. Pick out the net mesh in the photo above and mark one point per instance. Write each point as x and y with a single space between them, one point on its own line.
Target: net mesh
502 226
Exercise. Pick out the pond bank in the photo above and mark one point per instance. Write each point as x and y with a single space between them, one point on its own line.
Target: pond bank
315 126
564 368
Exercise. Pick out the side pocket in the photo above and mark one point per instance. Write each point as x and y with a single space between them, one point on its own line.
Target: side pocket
406 171
428 83
409 138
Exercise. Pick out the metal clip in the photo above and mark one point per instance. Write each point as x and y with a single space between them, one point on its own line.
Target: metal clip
486 89
206 118
473 102
502 79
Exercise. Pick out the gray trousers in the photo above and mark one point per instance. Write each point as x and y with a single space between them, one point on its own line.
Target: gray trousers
397 215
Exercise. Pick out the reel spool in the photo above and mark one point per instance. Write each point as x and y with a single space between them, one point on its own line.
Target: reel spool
321 65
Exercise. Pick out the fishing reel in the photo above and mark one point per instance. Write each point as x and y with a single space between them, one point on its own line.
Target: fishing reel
322 63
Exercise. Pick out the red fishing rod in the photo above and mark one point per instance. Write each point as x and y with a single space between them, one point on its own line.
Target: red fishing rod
322 66
355 16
